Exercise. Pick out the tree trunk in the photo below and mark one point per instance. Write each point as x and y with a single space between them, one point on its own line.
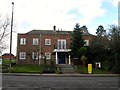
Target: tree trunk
83 64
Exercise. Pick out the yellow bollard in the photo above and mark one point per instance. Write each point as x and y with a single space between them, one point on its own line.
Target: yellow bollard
90 68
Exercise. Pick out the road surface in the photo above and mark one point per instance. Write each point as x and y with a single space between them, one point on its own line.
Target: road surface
16 82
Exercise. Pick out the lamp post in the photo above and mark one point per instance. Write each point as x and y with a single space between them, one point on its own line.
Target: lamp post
11 36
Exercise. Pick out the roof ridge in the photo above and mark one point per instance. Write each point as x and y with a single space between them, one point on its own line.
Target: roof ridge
37 31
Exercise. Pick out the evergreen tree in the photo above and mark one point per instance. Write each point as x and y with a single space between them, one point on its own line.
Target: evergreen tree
84 29
77 42
101 31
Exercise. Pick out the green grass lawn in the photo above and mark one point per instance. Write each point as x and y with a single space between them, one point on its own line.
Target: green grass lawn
27 69
30 69
84 70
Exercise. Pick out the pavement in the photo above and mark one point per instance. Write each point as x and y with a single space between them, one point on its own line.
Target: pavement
62 75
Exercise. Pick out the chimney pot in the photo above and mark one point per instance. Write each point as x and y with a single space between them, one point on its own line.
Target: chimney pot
54 28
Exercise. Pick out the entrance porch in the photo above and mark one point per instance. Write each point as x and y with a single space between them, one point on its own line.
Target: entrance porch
62 56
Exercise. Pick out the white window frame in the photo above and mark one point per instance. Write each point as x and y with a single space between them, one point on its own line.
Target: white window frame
35 41
47 41
48 55
33 55
86 42
60 44
22 41
22 55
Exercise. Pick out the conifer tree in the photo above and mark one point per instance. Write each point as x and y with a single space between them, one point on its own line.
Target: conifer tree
77 41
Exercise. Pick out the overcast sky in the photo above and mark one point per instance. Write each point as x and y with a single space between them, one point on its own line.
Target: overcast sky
44 14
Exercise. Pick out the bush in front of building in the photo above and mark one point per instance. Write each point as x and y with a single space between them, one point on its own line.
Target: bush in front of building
49 69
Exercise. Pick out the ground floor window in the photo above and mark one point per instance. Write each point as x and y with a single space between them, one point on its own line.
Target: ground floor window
22 55
35 55
48 55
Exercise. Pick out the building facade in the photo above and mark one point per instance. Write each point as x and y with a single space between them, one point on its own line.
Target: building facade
46 46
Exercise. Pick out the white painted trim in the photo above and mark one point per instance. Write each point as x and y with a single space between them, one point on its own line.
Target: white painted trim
69 59
62 50
56 58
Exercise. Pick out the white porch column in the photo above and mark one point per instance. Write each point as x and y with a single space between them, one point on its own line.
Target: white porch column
56 58
69 60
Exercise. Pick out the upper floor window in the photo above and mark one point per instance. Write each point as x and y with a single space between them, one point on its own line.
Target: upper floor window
35 41
48 55
61 44
22 55
86 42
47 41
22 41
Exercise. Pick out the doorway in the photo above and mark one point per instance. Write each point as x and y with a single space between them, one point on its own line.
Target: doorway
61 58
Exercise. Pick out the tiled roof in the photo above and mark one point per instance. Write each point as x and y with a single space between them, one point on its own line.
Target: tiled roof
53 32
7 54
48 32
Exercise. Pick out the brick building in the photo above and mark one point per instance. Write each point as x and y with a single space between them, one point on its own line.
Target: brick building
38 46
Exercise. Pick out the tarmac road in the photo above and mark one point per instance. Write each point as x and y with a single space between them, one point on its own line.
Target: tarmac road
39 82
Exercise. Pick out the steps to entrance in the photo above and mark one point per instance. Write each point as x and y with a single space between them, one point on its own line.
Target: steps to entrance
67 68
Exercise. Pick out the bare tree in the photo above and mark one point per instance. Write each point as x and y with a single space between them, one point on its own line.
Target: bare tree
4 31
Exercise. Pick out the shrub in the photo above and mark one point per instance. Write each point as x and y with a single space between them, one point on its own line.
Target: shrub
106 65
5 70
116 69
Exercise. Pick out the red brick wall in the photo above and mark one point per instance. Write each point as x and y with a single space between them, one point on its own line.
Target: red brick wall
29 47
90 38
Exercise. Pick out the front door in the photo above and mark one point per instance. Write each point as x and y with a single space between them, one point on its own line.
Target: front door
61 58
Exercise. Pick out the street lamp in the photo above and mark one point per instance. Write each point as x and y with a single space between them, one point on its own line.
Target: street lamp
11 36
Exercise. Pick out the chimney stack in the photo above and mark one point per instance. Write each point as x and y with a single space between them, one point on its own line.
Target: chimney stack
54 28
61 29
